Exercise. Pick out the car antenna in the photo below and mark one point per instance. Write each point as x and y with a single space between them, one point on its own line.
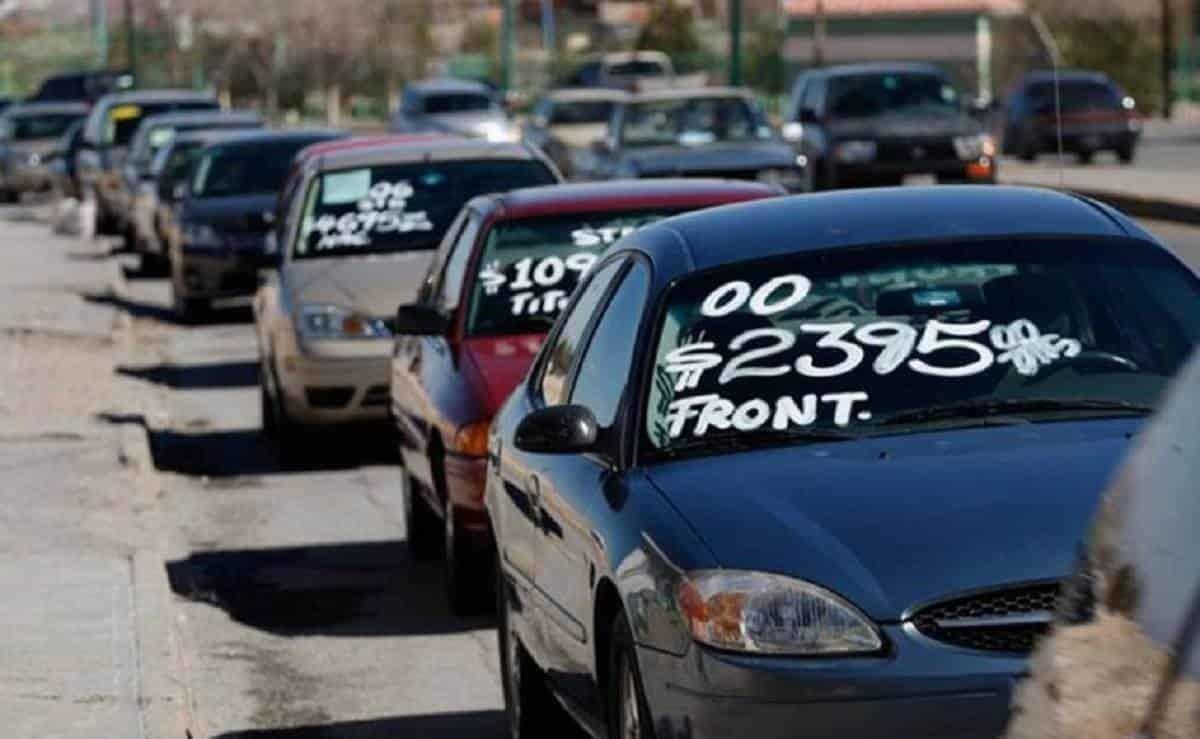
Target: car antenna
1051 44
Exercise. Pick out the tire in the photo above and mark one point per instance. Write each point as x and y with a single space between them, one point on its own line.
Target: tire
187 309
270 423
1026 151
422 524
531 710
1085 157
627 711
155 265
468 569
1126 154
8 197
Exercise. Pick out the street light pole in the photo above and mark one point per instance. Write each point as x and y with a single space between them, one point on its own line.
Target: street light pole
1168 53
819 34
130 41
100 32
735 42
506 45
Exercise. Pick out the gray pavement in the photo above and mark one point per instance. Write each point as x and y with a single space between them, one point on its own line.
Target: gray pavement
195 581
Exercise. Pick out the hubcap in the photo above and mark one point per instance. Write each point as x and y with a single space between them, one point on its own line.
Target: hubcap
631 716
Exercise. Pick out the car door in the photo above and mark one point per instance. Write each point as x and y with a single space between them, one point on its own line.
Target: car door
424 366
521 473
573 502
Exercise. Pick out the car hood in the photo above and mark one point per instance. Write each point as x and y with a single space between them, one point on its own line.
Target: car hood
893 523
730 156
237 213
579 135
496 365
374 285
469 124
904 125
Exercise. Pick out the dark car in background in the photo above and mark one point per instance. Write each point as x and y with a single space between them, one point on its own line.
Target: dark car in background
875 124
1124 657
136 192
490 296
565 123
63 181
82 87
817 465
216 240
109 129
1094 112
455 107
704 132
29 134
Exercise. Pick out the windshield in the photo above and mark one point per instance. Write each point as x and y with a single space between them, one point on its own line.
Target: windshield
868 95
637 68
401 207
859 342
528 268
124 120
584 111
1075 96
457 102
47 126
692 122
245 169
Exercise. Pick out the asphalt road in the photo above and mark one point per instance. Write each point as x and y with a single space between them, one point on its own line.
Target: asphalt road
299 614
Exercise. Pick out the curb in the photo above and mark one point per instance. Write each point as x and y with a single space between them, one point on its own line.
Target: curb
1138 206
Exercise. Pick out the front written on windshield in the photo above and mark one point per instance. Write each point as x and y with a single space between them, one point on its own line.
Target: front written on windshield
529 267
847 341
400 207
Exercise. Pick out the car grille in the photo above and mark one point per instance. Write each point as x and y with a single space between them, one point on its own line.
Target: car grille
907 150
997 621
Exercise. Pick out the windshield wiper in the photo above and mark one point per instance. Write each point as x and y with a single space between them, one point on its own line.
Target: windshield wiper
988 408
750 440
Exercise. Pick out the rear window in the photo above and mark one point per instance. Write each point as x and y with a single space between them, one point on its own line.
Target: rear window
401 207
1075 96
48 126
637 68
456 103
875 94
589 111
529 267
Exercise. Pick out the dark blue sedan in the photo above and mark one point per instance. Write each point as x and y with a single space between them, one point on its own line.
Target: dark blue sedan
814 467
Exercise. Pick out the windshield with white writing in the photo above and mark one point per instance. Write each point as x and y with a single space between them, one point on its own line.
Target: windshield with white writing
401 207
529 267
894 339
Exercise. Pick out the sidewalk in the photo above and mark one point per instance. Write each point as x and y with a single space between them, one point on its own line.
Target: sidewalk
1154 194
87 648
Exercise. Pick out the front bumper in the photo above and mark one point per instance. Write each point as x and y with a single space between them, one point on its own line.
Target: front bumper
27 179
322 386
920 690
217 275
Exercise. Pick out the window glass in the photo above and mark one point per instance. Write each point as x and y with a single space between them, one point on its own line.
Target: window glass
456 267
811 100
692 122
245 169
899 339
123 121
605 367
570 113
870 95
566 345
48 126
530 266
403 207
1074 96
457 102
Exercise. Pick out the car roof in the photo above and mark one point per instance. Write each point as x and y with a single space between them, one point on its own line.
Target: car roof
876 217
47 108
364 142
256 136
202 116
684 93
442 148
447 86
1067 75
619 195
586 94
165 95
839 70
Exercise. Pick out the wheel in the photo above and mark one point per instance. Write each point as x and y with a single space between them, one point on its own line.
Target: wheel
155 265
468 569
1026 152
1085 157
129 239
1125 154
531 710
270 423
421 522
628 714
9 197
187 309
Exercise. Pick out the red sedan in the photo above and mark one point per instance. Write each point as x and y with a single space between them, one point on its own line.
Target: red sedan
499 279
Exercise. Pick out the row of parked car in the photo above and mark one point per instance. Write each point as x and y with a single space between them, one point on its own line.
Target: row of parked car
728 462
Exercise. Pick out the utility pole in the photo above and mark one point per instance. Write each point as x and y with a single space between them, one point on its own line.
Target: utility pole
506 45
1168 54
735 42
100 32
130 40
819 34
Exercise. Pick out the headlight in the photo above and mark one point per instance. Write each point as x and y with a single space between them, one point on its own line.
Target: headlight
786 177
771 614
200 236
854 152
792 131
334 322
974 146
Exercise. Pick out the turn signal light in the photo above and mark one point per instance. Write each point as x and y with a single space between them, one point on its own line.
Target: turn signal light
472 439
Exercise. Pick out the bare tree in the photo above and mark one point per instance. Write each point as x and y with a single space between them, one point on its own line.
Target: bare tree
332 36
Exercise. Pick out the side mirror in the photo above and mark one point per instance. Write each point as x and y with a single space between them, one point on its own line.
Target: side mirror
559 429
415 319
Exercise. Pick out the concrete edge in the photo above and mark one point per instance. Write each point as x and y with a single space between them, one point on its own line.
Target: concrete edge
1138 206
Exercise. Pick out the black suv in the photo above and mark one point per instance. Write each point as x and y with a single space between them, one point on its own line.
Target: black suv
873 124
1096 115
